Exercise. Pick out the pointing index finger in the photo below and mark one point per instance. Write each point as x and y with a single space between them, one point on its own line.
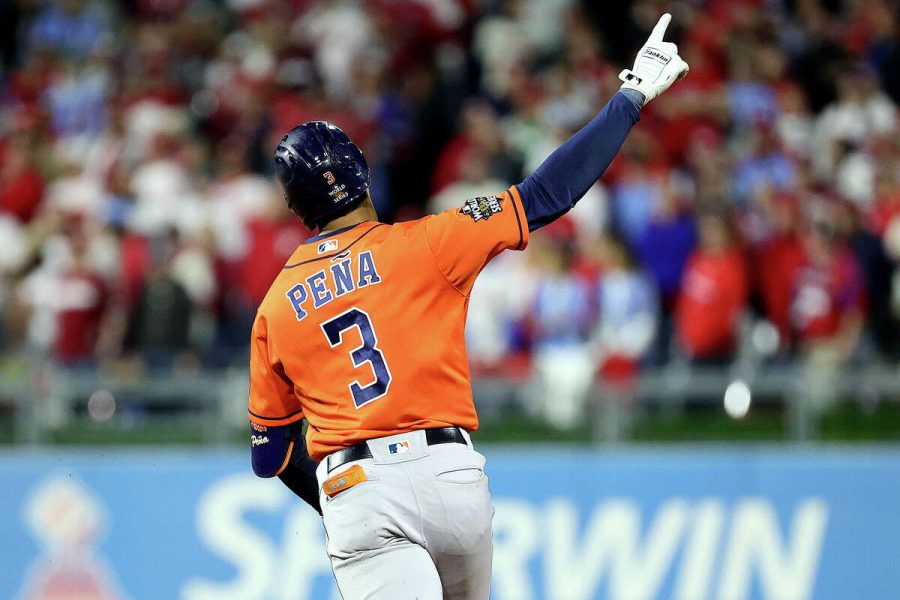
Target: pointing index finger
660 30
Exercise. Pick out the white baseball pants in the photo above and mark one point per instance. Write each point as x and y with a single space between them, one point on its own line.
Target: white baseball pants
419 528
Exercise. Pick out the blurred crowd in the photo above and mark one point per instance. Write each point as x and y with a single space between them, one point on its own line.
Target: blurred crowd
757 202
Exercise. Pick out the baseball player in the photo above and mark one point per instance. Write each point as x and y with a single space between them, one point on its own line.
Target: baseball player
361 336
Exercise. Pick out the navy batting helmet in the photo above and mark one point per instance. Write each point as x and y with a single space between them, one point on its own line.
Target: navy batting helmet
322 171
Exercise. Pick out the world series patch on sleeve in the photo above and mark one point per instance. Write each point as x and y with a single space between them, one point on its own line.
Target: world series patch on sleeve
482 207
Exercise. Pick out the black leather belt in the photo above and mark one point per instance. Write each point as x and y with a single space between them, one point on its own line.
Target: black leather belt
440 435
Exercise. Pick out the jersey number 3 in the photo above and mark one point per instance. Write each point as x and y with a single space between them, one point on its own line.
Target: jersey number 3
367 352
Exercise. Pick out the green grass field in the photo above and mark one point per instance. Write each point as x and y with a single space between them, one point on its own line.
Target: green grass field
846 422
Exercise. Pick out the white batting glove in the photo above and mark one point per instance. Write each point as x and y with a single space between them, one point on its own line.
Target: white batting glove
657 65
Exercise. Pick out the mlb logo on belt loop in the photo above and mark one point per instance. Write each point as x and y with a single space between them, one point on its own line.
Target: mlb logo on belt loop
399 447
328 246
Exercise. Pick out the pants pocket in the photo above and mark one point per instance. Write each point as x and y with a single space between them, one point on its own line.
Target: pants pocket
355 520
464 475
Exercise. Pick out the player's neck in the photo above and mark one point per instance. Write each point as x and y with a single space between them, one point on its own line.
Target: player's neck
362 213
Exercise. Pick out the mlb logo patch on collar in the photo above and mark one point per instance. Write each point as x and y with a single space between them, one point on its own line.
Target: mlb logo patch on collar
399 447
328 246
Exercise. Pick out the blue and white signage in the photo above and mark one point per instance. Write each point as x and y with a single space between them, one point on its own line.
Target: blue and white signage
717 524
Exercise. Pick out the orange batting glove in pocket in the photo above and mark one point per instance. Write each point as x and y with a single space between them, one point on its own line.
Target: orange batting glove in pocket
344 481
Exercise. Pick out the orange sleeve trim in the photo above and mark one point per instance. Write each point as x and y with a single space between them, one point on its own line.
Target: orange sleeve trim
287 459
517 202
285 420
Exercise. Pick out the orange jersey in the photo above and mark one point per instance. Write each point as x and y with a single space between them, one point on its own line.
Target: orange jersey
362 332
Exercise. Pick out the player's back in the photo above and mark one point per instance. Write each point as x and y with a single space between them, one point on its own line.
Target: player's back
363 330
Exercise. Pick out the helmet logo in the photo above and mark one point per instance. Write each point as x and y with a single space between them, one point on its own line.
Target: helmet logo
329 178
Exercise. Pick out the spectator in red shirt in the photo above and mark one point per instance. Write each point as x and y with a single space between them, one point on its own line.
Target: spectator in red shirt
481 136
21 184
827 305
82 300
827 299
273 237
776 258
78 321
713 293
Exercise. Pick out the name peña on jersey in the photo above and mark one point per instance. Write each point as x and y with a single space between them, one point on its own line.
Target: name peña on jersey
348 275
481 207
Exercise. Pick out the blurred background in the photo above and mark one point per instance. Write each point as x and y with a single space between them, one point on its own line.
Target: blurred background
734 277
749 230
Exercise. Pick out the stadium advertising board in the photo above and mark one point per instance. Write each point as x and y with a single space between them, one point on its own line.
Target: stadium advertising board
570 525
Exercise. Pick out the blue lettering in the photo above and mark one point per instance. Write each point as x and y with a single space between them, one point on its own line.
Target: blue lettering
321 295
367 272
297 296
343 278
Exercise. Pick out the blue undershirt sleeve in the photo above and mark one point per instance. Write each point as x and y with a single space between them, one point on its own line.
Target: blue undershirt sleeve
567 174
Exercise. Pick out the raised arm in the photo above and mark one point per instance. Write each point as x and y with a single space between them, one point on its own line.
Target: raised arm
568 173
